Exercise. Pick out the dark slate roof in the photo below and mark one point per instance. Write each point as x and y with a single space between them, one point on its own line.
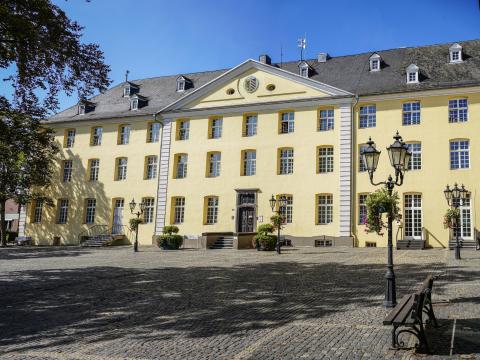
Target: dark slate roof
350 73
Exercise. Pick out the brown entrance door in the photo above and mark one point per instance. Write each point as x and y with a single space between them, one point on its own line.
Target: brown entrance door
246 219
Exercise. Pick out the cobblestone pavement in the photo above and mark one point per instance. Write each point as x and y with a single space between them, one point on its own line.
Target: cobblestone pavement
307 303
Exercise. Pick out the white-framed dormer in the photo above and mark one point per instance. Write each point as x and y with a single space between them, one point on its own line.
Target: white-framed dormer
130 89
181 84
84 106
137 101
303 69
81 109
134 103
375 62
412 74
456 55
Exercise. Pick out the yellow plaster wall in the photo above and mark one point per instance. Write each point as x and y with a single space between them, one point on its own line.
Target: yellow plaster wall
285 89
303 184
434 132
105 189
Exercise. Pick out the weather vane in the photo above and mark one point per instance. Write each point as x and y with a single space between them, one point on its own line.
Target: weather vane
126 75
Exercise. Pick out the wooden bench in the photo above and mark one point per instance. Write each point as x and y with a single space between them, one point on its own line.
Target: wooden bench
407 316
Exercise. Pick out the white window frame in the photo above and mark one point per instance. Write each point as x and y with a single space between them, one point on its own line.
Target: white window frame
214 164
415 162
37 211
90 207
362 209
460 154
152 167
413 210
181 84
455 50
62 211
287 122
249 162
153 132
70 140
182 166
126 91
148 213
184 130
251 125
465 219
67 170
367 116
216 128
122 164
325 159
375 62
362 167
326 121
134 104
324 209
458 110
81 109
212 210
287 210
286 161
97 134
94 169
411 113
124 134
178 210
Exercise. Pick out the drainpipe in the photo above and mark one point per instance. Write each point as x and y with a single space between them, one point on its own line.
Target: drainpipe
352 172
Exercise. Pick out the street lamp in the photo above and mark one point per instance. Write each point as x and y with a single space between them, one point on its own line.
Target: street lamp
455 198
399 157
132 205
282 202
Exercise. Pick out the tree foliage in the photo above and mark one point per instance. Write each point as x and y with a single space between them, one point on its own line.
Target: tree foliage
42 45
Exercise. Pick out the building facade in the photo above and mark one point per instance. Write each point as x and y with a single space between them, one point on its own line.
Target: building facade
206 151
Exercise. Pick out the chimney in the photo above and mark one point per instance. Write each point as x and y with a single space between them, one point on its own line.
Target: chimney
265 59
322 57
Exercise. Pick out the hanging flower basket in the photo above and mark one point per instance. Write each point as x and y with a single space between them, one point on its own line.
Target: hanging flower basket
450 218
378 203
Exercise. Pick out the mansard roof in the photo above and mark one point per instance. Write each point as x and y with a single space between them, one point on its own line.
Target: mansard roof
348 73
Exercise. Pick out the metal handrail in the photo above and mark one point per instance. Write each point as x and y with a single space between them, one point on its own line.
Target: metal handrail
94 230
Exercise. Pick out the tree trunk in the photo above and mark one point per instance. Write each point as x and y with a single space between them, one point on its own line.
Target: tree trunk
3 224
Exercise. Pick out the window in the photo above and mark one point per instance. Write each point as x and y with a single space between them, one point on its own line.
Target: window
182 164
411 113
153 132
97 133
81 109
375 62
212 210
326 120
303 70
413 216
62 216
455 53
249 162
122 168
362 209
178 210
134 104
183 129
126 91
368 116
370 244
69 138
415 162
94 169
214 160
149 210
287 122
181 83
465 219
67 170
151 168
325 159
216 128
90 205
325 209
250 125
124 134
459 154
361 164
457 110
286 211
412 74
37 211
286 161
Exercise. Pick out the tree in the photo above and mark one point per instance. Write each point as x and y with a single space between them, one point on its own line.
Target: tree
43 48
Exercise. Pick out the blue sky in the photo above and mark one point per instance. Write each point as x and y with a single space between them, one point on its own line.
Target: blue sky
156 37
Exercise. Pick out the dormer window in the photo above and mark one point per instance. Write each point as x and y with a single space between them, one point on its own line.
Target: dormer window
134 104
412 74
85 106
130 89
455 53
138 101
181 83
126 91
375 62
303 69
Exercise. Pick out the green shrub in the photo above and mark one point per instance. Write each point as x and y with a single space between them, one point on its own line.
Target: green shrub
265 242
265 229
170 229
170 241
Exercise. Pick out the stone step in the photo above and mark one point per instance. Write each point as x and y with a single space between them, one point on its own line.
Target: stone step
410 244
463 243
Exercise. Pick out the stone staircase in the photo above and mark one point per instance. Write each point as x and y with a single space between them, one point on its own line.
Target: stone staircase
410 244
224 242
97 240
467 244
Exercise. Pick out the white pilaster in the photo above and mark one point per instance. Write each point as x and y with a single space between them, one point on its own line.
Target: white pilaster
163 176
345 200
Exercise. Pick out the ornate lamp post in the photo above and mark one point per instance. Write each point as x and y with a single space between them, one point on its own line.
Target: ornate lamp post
455 198
133 204
282 201
399 157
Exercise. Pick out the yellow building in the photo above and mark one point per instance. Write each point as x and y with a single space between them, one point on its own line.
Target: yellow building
223 142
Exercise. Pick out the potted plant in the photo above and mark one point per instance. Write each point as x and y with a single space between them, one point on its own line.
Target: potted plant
133 223
264 240
377 203
170 240
451 217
